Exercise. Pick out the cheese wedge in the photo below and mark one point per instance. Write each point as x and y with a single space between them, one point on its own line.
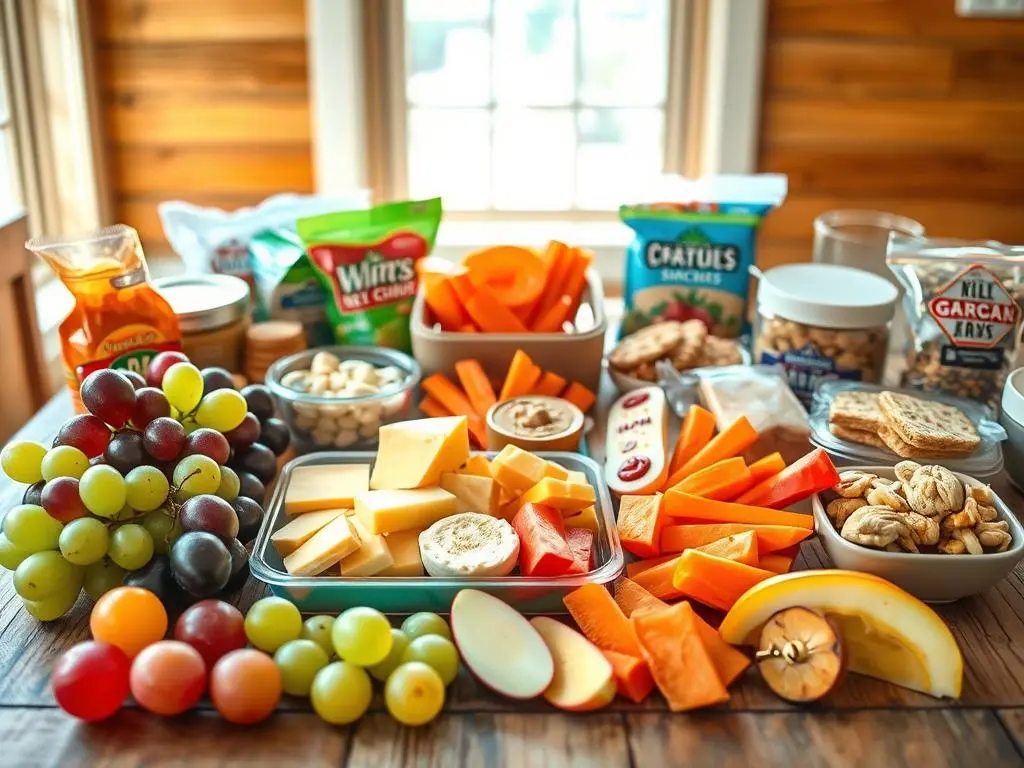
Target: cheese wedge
312 488
300 530
372 557
326 547
472 493
398 510
413 454
557 471
477 464
564 496
586 518
517 470
405 553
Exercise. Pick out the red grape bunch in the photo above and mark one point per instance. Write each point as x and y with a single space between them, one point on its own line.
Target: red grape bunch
159 485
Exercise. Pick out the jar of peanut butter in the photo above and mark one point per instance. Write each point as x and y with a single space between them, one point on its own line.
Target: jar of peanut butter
213 313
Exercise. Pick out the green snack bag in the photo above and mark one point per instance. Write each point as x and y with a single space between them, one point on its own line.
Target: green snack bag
366 260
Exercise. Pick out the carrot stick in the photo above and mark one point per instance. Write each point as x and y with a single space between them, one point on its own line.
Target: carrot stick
741 547
765 467
731 441
577 279
434 409
631 597
637 567
723 480
678 504
632 677
441 298
770 538
714 581
521 378
553 320
579 396
476 385
550 384
776 562
658 580
697 429
601 620
451 397
559 259
490 315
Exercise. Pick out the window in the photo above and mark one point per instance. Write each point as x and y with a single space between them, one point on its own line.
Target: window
10 176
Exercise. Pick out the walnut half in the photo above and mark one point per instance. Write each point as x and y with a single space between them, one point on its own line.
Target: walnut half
934 491
875 527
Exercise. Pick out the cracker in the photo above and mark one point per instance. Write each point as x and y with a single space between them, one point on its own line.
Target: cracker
928 425
856 410
718 352
862 436
646 345
900 447
688 350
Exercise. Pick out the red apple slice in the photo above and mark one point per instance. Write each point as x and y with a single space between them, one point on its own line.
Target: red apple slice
584 680
499 646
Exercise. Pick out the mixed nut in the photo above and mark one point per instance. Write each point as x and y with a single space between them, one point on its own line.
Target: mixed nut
860 350
926 506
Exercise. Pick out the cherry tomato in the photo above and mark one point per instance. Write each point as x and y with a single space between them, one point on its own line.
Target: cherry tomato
130 618
213 628
245 686
168 677
90 680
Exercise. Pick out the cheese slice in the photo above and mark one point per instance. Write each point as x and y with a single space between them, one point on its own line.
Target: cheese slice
325 486
326 547
413 454
557 471
405 554
576 476
372 557
472 493
517 470
399 510
477 464
300 530
585 518
563 496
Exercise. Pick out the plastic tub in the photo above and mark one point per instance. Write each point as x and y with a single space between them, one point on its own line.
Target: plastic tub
575 356
331 594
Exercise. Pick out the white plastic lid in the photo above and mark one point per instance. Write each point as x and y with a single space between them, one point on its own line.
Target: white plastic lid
827 296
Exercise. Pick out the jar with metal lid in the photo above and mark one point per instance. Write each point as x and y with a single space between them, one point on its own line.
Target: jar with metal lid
213 313
823 321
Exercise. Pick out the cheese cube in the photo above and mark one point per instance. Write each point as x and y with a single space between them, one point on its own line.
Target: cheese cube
399 510
576 476
326 547
478 464
405 553
586 518
372 557
300 530
413 454
325 486
472 492
557 471
566 497
517 470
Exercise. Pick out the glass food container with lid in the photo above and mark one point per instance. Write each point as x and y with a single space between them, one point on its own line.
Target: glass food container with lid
213 313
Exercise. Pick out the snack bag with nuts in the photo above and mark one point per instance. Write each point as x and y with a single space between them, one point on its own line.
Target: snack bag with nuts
963 303
366 260
690 260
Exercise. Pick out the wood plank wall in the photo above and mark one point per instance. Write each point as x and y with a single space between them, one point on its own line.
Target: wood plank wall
896 105
204 100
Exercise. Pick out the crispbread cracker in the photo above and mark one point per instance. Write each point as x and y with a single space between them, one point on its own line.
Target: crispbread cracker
647 345
862 436
927 425
856 410
900 447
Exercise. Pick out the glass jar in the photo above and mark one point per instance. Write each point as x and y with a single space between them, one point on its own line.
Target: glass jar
822 321
213 312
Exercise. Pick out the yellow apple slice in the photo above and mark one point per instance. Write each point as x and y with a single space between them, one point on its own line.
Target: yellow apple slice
888 633
584 679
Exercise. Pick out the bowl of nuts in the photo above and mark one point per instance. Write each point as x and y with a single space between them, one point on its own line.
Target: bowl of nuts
938 534
338 397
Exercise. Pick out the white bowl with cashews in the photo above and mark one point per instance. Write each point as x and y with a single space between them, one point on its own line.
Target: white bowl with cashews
339 397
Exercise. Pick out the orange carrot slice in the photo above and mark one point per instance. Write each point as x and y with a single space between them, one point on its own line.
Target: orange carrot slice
776 562
721 481
770 538
440 297
639 566
731 441
559 259
468 328
658 580
476 385
552 320
686 505
640 523
714 581
765 467
695 433
550 384
451 397
600 619
741 547
521 378
633 679
434 409
513 274
729 662
579 396
805 477
577 278
631 597
490 315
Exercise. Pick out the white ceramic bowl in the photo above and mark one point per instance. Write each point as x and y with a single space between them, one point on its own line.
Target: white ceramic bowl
1011 416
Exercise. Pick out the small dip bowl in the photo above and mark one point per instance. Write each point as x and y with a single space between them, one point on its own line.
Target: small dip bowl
534 423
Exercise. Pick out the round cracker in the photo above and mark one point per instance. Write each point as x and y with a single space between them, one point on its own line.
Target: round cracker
646 345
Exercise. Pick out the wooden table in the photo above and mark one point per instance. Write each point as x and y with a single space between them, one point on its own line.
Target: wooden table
865 723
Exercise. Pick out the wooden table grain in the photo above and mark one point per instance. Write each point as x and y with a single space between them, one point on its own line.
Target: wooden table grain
865 723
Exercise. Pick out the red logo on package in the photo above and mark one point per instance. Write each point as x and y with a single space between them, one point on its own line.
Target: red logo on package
974 310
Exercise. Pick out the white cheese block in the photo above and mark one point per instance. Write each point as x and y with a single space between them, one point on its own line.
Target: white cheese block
469 544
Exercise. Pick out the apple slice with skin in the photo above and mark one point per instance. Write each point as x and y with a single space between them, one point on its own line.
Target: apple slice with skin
499 646
584 679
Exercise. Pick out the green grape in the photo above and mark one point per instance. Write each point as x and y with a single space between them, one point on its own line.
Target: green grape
190 425
299 661
43 574
414 694
54 606
126 514
318 629
64 461
229 484
436 652
399 642
425 623
30 529
131 546
101 577
183 386
222 409
10 555
272 622
103 490
195 475
162 527
341 693
22 461
362 636
84 541
146 488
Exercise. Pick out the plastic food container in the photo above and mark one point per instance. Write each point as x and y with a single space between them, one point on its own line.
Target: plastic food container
331 594
986 461
934 578
823 321
213 314
322 422
575 356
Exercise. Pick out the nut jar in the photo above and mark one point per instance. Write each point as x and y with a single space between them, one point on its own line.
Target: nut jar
823 321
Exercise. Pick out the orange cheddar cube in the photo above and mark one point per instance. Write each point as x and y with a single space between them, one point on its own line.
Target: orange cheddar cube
566 497
585 518
517 470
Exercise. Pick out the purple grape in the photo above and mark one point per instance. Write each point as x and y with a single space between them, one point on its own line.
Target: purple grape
106 393
250 517
275 435
201 563
208 442
125 451
251 486
156 576
85 432
164 439
239 567
160 363
150 403
216 378
260 401
209 513
137 379
246 433
34 494
61 501
259 460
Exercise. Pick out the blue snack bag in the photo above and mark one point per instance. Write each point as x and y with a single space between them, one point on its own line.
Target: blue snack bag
691 260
